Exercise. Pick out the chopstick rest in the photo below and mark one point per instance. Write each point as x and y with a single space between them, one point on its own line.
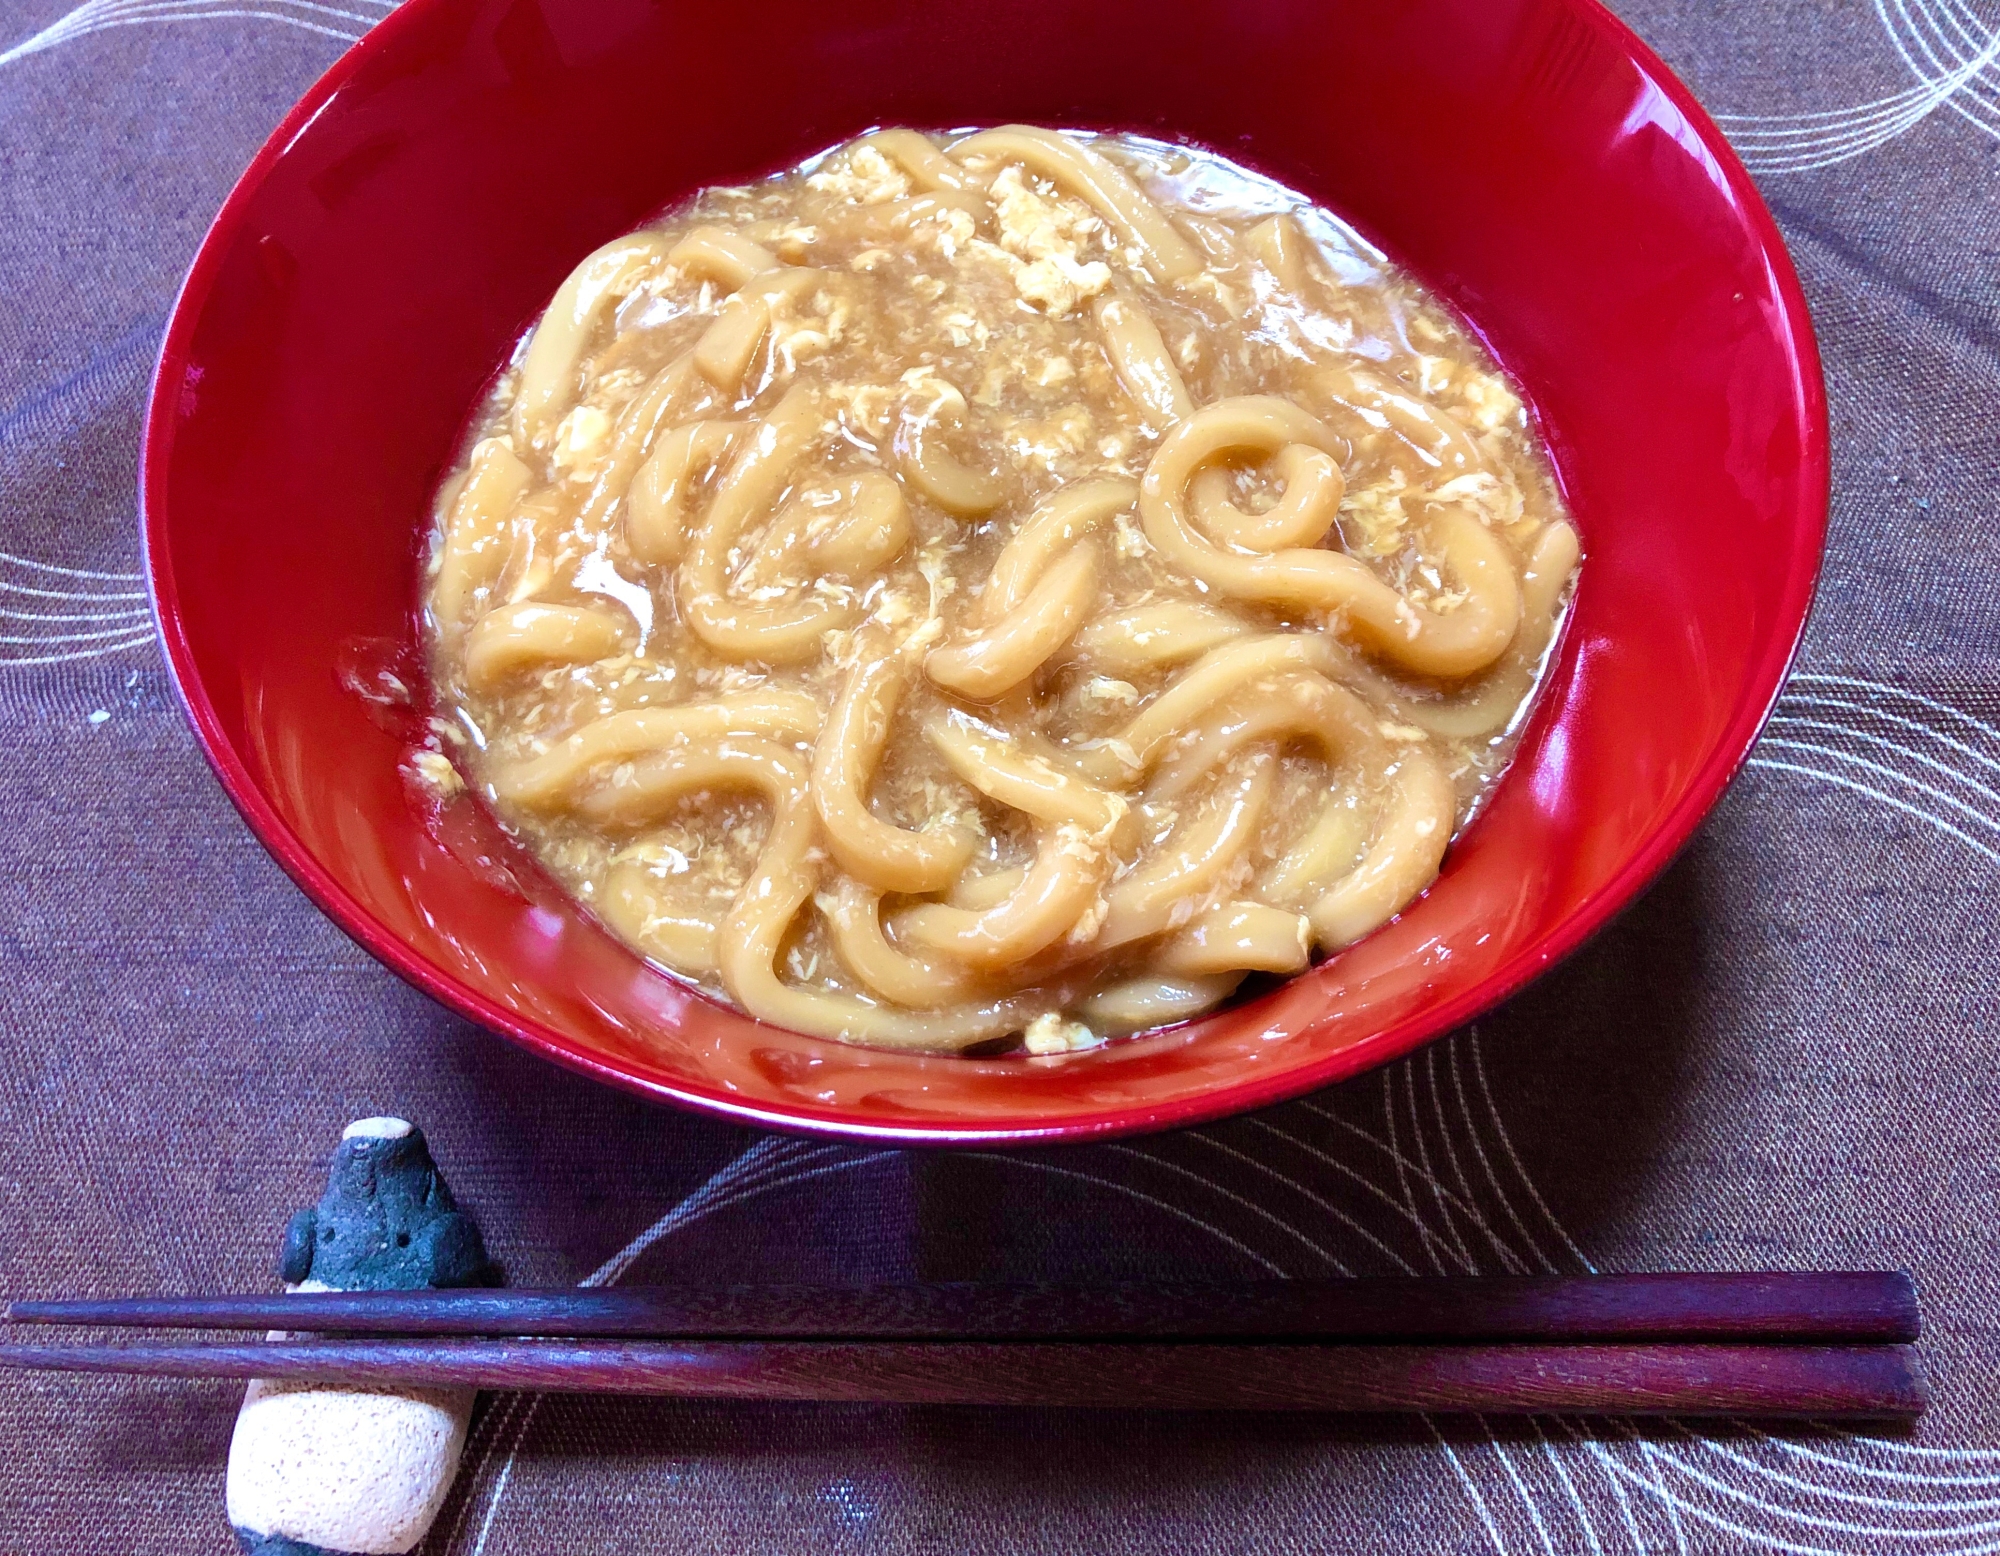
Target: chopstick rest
346 1468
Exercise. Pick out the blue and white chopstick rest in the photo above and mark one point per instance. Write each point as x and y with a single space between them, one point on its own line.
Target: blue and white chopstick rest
339 1471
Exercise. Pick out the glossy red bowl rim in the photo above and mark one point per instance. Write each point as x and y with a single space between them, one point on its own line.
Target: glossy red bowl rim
1725 760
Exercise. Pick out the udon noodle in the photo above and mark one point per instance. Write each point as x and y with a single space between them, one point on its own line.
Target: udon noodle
1001 589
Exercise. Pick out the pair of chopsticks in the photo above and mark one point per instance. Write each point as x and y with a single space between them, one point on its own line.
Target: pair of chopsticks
1823 1345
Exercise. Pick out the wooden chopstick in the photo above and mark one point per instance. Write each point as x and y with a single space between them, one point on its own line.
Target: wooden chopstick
1813 1381
1820 1307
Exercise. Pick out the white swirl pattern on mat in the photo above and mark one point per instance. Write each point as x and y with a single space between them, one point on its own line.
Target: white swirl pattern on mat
1954 56
1912 753
329 21
53 615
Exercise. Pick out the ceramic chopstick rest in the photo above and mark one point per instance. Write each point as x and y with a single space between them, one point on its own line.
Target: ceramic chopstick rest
316 1469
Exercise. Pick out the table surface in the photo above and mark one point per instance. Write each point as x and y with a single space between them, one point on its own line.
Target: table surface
1780 1057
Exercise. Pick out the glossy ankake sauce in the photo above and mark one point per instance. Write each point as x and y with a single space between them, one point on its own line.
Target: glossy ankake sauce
998 589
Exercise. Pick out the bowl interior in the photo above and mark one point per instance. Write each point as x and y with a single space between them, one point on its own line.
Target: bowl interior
1525 158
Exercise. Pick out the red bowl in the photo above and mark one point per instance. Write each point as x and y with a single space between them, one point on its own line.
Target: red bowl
1529 160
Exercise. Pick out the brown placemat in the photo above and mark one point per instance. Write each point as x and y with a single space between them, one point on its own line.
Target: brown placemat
1781 1057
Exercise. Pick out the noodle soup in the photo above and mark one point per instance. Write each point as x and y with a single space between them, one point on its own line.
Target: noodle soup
998 590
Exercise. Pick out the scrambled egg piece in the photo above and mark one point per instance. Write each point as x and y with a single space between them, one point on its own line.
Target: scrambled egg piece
1054 442
1488 401
582 439
1103 690
1374 517
820 327
1049 1033
864 176
433 769
1495 501
1042 245
656 857
868 409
